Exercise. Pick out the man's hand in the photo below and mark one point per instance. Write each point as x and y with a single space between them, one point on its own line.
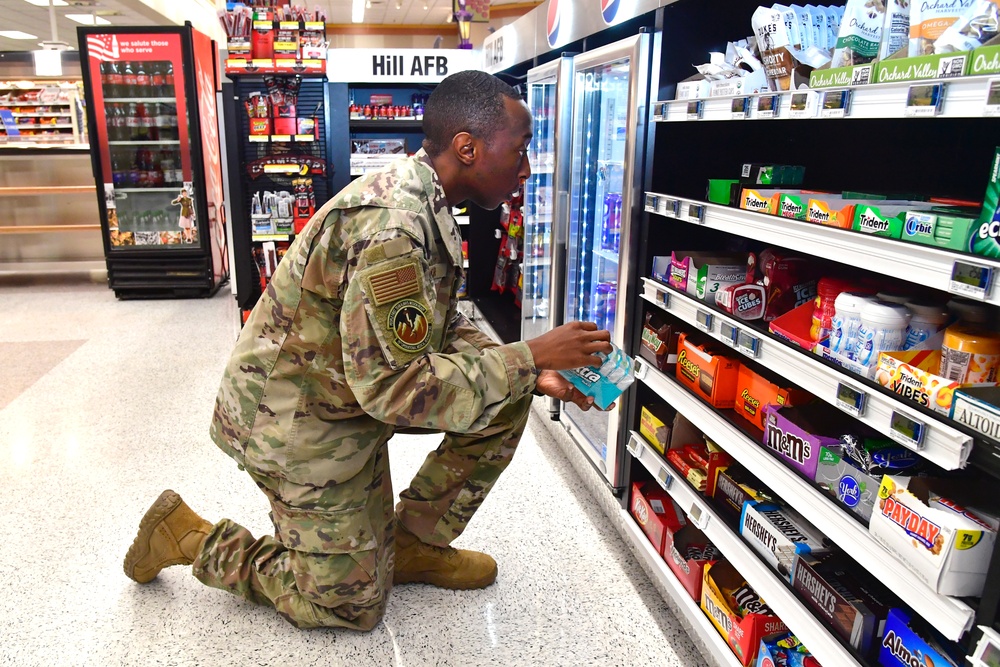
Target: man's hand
571 345
552 384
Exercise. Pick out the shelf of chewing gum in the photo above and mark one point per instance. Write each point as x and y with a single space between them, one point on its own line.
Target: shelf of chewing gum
863 60
273 38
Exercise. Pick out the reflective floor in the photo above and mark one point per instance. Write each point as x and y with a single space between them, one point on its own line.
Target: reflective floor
103 404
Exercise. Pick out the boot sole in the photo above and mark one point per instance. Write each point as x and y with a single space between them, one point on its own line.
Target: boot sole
161 507
441 581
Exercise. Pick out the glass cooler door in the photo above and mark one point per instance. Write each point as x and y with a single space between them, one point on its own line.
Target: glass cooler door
607 91
538 204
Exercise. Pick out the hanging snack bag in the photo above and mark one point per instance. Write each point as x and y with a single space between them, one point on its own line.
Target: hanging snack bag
775 46
896 29
930 20
976 27
860 33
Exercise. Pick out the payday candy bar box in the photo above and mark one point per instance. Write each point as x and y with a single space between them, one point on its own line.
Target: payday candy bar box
945 544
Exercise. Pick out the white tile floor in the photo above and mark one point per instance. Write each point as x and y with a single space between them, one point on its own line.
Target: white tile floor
124 414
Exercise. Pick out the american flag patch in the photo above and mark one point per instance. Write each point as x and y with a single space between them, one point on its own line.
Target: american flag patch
103 47
393 284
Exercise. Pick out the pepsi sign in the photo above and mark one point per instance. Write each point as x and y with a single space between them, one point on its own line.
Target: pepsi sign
609 10
553 21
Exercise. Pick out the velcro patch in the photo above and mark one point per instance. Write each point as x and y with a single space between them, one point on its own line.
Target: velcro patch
408 326
393 284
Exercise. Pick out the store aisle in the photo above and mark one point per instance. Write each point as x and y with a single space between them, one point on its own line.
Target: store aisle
103 404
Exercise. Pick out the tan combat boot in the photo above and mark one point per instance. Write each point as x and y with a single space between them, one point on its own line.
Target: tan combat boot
170 533
445 567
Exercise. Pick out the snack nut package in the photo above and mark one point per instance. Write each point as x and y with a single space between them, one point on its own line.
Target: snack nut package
847 604
703 369
656 513
860 33
780 535
947 545
688 553
737 612
605 383
754 391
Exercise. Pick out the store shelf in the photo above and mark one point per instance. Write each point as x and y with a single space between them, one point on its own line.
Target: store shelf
925 265
165 189
36 126
799 619
387 124
700 623
942 444
963 97
162 100
160 142
950 615
8 105
259 238
42 115
608 255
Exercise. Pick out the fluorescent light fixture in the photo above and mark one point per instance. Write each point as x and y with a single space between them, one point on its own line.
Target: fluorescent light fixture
87 19
16 34
45 3
48 62
358 11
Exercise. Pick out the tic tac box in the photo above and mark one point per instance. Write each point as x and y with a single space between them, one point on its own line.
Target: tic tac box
705 371
947 546
743 632
780 535
755 390
798 435
979 409
902 647
655 421
829 588
655 512
688 553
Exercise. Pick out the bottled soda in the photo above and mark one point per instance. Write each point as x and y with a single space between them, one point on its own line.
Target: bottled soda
611 223
157 79
132 121
142 80
129 81
141 122
168 80
118 174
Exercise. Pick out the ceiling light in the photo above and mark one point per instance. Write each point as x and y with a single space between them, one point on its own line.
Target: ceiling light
16 34
357 11
87 19
45 3
399 5
425 6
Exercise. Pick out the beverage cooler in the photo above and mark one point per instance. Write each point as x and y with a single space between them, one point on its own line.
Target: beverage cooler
610 90
155 151
546 201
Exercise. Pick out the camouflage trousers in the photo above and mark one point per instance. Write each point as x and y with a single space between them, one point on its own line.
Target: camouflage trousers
314 580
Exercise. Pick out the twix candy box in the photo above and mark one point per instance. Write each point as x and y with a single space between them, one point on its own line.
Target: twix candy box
705 371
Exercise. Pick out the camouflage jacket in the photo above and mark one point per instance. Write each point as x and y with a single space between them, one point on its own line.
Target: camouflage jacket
358 332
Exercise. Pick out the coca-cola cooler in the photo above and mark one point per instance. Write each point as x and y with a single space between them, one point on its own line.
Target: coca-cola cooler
154 145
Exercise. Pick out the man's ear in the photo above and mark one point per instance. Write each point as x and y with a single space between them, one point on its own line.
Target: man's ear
464 146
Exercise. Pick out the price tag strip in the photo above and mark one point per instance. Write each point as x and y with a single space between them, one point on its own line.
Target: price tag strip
651 202
836 104
741 108
730 334
698 516
664 477
748 344
971 280
803 105
987 650
992 106
696 212
635 446
907 431
704 320
695 109
673 207
768 106
660 111
851 400
665 298
924 100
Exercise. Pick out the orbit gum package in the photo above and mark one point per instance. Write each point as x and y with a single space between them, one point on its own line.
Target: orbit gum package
606 382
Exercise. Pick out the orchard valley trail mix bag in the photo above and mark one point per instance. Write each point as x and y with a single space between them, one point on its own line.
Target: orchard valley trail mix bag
929 19
860 33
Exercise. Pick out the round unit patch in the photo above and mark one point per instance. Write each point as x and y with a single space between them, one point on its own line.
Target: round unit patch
408 326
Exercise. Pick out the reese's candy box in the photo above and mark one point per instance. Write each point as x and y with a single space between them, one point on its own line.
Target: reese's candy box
707 372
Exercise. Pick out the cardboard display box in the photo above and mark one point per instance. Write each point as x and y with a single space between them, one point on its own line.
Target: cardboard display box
902 647
800 435
755 390
655 512
913 375
659 342
702 275
689 571
694 456
946 546
734 487
707 372
655 422
780 535
743 633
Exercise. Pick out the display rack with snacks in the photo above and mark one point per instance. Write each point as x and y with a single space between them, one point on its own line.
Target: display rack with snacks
279 151
41 113
275 39
825 318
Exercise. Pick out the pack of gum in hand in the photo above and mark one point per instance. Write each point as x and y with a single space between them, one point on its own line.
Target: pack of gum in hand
606 382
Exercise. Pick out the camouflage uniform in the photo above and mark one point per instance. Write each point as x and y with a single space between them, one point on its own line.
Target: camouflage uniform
358 335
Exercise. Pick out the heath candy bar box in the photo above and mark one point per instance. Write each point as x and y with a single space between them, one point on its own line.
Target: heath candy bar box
946 545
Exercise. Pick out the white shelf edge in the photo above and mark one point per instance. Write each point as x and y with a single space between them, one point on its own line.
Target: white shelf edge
964 97
926 265
462 219
942 444
699 621
800 620
950 615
